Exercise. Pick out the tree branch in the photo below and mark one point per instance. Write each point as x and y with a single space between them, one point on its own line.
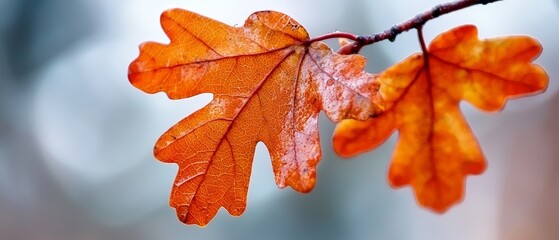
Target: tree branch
390 34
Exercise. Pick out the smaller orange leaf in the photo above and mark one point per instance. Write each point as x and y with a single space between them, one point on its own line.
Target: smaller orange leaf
436 149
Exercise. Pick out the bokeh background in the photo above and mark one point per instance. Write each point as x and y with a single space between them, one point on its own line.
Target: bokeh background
76 137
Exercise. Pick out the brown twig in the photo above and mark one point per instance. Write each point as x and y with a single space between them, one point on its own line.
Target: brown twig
390 34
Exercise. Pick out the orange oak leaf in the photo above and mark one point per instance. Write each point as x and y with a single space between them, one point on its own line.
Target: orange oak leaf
436 148
269 82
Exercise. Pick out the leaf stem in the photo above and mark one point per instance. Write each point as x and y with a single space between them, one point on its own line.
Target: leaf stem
423 46
390 34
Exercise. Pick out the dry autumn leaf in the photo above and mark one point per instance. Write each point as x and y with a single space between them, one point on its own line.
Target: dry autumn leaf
269 83
436 148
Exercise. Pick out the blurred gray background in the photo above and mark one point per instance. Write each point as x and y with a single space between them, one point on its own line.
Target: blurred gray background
76 137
